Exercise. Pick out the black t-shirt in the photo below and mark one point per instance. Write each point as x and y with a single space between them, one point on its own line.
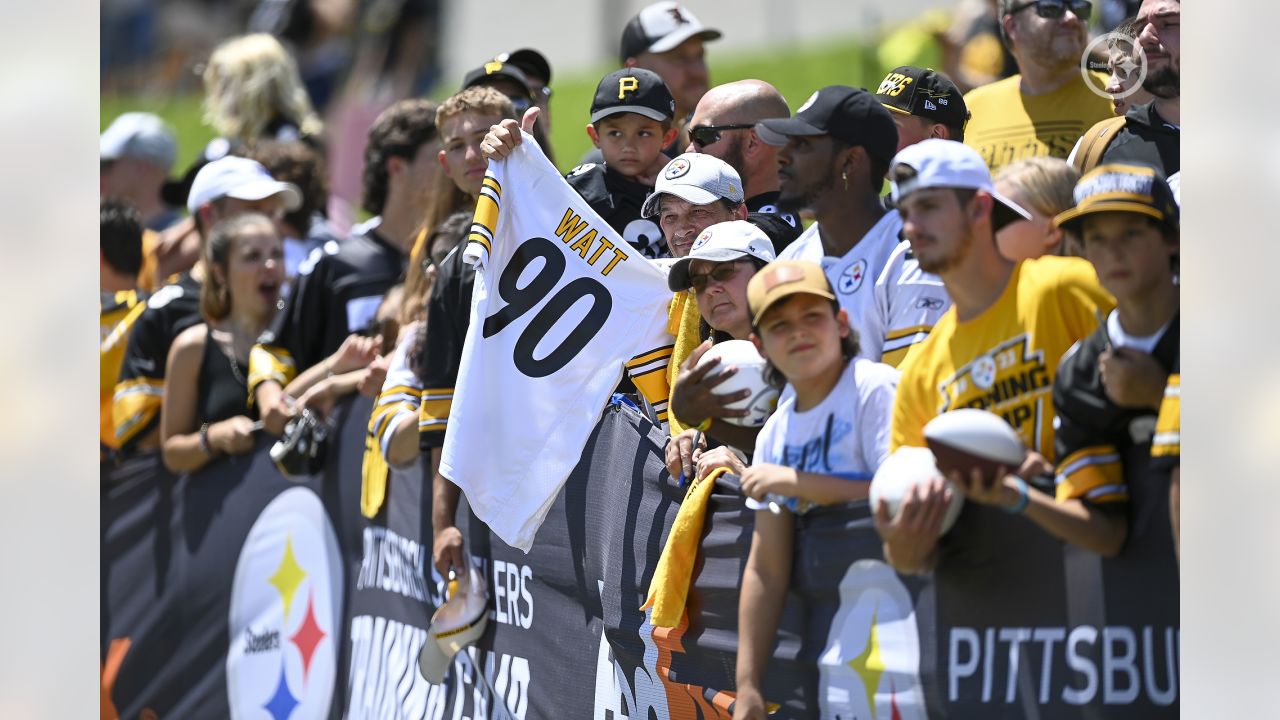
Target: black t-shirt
781 224
1146 139
448 318
337 292
617 199
140 389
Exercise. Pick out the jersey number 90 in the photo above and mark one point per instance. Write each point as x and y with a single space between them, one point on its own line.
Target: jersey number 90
521 300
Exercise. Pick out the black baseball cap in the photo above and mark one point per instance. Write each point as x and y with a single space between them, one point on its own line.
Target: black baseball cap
851 115
659 28
923 92
529 61
633 90
496 69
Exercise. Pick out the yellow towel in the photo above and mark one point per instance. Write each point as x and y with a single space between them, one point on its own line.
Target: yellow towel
669 589
684 322
374 473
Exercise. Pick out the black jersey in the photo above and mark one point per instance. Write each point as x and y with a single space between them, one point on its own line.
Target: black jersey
1103 449
617 199
448 319
781 224
338 292
135 404
1166 446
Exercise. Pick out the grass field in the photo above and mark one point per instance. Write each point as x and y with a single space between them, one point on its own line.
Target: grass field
795 72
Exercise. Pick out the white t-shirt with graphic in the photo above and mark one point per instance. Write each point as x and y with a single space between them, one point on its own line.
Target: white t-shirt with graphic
845 435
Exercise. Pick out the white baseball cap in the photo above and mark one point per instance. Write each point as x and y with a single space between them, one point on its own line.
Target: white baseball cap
722 242
456 624
239 178
949 164
660 27
697 178
140 135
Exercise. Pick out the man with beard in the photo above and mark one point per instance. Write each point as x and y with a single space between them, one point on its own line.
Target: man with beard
833 160
1149 134
723 125
1047 106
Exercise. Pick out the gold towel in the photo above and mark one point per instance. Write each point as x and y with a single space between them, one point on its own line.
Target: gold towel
684 322
669 588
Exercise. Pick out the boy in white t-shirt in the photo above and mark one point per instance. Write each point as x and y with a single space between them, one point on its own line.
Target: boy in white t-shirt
821 446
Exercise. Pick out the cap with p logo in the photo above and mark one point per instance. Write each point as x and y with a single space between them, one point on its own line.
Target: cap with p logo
633 90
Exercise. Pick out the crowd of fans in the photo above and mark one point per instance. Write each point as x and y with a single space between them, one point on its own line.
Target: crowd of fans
1032 210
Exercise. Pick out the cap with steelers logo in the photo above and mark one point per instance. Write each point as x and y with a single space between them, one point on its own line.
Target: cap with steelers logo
633 90
697 178
923 92
850 115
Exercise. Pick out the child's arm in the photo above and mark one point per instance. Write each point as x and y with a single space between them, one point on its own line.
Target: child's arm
764 591
762 479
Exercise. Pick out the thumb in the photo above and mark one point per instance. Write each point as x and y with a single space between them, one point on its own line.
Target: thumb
530 117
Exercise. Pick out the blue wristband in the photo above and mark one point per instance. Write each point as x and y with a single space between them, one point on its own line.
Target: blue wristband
1023 498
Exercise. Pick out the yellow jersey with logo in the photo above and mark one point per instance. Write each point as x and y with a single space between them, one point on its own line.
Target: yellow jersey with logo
117 313
1007 125
1004 360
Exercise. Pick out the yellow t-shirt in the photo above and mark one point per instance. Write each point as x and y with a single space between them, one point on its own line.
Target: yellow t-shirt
1005 359
1007 125
117 313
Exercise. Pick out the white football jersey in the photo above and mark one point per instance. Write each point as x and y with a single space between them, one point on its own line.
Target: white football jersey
890 302
561 304
401 394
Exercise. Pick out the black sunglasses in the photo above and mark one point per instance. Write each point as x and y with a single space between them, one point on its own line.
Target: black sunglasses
722 274
705 135
1055 9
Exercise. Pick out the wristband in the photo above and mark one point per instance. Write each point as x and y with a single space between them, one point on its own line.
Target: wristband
703 426
1023 497
205 447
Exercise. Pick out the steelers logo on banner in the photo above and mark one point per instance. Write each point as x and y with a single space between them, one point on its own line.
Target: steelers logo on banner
286 609
870 667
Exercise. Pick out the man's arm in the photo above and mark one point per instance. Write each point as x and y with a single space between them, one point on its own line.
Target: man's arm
446 546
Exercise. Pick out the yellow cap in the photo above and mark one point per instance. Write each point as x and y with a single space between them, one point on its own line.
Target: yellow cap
784 278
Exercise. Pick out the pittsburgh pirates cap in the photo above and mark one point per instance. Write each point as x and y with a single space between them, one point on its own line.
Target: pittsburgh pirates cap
851 115
942 163
633 90
722 242
496 69
782 279
661 27
1121 188
140 135
697 178
923 92
240 178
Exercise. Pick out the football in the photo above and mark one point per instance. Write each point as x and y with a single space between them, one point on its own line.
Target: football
750 376
904 469
967 438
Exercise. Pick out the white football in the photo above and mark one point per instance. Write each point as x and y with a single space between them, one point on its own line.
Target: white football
750 376
903 470
967 438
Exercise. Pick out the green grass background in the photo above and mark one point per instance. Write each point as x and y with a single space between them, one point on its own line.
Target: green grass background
795 71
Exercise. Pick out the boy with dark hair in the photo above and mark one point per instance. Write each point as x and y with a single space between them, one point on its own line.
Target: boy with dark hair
630 124
119 303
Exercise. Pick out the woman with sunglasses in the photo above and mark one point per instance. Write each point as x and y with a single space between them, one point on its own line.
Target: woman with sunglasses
1047 106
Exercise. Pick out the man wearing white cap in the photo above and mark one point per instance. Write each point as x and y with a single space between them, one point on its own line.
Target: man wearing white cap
135 155
997 349
222 189
666 38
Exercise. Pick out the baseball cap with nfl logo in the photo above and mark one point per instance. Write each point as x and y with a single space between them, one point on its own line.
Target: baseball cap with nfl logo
659 28
923 92
696 178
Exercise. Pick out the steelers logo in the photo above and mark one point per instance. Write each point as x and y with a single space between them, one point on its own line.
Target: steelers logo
851 278
702 239
984 372
676 168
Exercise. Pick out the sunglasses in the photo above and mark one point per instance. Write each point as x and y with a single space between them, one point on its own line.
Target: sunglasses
722 274
705 135
1055 9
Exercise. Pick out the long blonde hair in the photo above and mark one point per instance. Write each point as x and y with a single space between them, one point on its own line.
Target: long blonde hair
252 80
